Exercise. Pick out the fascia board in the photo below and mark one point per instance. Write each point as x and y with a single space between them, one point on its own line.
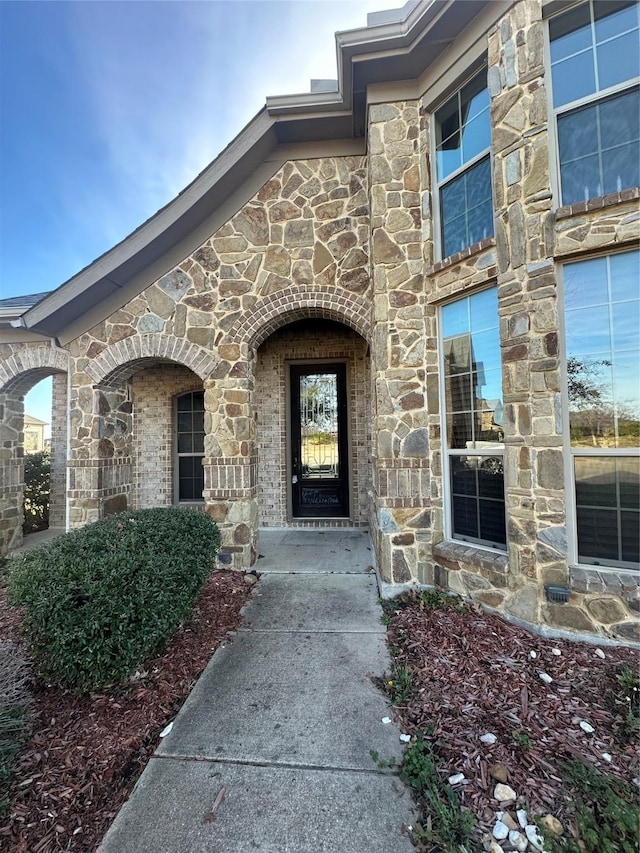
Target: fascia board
155 228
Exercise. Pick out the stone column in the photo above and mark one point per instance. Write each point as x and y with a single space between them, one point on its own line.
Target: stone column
100 476
534 479
401 475
11 471
230 463
58 493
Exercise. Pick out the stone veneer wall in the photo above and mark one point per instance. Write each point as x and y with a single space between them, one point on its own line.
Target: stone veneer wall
58 496
313 342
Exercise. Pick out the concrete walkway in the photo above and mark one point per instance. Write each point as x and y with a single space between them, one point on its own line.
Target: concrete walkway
283 719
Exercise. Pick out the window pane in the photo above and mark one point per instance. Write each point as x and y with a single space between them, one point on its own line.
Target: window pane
464 222
459 393
629 479
573 78
465 517
457 353
585 283
476 136
588 330
455 319
578 135
625 275
491 478
570 33
460 430
613 17
630 524
618 60
597 534
463 476
185 443
492 522
185 422
596 481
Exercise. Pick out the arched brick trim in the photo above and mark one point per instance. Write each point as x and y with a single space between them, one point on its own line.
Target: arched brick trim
122 359
24 368
296 303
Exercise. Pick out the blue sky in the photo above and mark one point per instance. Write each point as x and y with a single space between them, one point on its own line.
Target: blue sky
108 109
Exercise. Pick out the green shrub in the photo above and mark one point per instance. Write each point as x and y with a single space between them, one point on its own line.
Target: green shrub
101 600
14 713
37 485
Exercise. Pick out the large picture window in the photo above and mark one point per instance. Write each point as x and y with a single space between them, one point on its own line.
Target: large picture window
463 166
473 419
595 66
189 421
602 321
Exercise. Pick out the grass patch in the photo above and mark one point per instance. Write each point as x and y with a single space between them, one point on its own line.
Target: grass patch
446 825
605 811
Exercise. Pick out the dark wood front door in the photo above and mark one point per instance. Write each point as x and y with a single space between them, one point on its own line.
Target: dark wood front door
319 469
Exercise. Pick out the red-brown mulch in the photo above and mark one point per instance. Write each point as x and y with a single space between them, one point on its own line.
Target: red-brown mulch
474 675
85 753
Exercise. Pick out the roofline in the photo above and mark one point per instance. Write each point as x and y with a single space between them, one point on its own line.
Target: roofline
284 119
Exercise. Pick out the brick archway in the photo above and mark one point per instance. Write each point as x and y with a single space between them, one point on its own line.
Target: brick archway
24 368
122 359
297 303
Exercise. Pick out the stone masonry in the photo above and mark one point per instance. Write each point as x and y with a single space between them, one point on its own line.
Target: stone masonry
335 258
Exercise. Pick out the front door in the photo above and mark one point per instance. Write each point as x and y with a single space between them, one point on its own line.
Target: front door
319 470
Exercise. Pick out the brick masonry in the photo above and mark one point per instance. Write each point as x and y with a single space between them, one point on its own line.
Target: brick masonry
350 240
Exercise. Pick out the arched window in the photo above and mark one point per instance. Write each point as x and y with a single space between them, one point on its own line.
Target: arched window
189 443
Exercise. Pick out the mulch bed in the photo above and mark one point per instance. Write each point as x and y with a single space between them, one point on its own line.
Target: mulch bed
474 674
85 753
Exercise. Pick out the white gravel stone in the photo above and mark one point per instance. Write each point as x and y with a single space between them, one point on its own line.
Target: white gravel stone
533 655
523 817
456 779
504 792
405 738
599 654
500 830
586 727
488 738
544 676
607 757
556 652
518 840
534 837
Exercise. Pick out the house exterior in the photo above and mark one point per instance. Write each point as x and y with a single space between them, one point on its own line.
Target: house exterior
409 304
33 429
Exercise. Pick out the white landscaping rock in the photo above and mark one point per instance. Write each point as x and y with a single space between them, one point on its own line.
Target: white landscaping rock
488 738
405 738
607 757
544 676
504 792
500 830
518 840
556 652
600 654
456 779
523 817
587 727
534 837
533 655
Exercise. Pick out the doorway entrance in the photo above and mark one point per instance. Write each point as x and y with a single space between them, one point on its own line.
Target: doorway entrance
319 442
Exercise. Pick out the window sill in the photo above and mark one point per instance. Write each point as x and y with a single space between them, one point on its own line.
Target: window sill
569 210
622 582
464 552
474 249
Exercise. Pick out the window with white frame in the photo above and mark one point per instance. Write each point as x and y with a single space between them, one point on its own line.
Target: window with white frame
189 443
602 322
463 167
595 66
472 407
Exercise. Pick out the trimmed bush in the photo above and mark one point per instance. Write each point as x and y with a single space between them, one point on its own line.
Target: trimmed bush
102 599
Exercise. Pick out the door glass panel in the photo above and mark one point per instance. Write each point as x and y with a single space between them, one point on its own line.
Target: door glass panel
319 426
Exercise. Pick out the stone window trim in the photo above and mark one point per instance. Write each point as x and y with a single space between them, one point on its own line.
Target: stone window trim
590 579
469 252
569 210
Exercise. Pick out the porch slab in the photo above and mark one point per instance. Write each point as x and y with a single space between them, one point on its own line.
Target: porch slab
311 551
317 811
316 602
303 699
